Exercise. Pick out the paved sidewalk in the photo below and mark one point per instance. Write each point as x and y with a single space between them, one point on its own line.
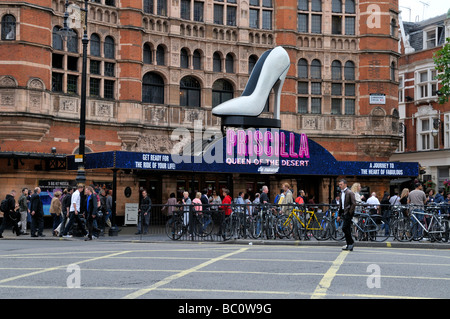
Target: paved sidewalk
127 234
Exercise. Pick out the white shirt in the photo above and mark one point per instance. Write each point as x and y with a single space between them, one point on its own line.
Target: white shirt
343 197
394 200
373 201
76 198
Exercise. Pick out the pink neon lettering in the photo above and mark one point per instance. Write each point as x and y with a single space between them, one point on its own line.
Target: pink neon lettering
267 148
292 145
304 148
231 142
241 145
258 146
283 152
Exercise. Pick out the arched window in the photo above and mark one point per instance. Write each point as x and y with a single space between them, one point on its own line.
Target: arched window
109 48
251 63
349 71
393 71
393 27
222 91
8 27
57 42
152 88
316 5
302 69
336 6
350 6
95 45
316 69
148 56
197 60
190 92
160 55
217 62
336 72
184 59
72 42
229 63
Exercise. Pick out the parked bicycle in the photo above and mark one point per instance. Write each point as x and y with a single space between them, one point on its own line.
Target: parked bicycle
431 221
201 224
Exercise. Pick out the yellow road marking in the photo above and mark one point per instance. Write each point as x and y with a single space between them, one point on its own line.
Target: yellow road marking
325 283
183 273
59 267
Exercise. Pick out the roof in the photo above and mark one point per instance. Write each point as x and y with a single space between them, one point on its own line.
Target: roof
415 31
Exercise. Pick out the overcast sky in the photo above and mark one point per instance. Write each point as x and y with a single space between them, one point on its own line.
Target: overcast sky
421 10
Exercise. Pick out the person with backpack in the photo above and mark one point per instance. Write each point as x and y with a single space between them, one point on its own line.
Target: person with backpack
8 207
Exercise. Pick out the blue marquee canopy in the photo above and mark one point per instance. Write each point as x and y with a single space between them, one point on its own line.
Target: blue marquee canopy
262 151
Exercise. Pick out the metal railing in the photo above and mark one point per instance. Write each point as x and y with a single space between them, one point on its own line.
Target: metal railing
277 221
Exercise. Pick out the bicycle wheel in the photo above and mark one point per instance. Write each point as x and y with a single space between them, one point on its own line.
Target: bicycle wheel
175 228
378 228
300 228
402 229
203 225
358 230
269 229
319 231
228 228
284 226
336 229
445 234
256 226
416 231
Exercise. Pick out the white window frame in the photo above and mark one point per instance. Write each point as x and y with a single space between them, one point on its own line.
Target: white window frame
430 41
425 139
401 89
426 89
401 143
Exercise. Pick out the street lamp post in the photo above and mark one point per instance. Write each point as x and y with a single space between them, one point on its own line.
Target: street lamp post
66 32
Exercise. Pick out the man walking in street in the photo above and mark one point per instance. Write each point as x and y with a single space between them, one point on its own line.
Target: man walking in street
8 206
37 214
346 212
91 211
75 212
23 209
144 214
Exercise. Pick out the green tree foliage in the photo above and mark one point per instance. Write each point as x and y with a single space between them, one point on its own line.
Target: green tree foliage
442 62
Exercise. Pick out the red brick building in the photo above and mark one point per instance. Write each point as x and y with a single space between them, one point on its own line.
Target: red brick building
425 122
154 66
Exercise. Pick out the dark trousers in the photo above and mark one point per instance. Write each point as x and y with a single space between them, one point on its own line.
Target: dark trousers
72 218
37 224
347 229
90 226
7 220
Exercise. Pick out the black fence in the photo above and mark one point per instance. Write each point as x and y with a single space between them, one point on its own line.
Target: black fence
284 222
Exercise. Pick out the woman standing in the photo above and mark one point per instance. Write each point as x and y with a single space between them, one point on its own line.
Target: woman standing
170 205
55 210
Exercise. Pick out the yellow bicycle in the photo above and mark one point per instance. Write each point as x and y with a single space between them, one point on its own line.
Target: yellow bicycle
301 223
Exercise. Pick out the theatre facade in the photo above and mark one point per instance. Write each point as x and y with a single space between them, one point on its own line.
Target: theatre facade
156 69
242 161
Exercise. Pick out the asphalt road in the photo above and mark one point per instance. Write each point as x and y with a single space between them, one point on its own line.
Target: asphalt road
190 270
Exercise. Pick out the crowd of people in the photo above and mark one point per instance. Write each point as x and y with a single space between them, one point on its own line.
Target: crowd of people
76 210
85 211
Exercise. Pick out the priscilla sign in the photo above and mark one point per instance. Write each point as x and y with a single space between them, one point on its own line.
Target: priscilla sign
261 151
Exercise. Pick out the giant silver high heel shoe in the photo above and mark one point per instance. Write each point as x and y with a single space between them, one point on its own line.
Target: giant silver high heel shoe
269 72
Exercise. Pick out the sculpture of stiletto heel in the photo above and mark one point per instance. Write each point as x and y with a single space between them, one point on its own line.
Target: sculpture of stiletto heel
269 72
